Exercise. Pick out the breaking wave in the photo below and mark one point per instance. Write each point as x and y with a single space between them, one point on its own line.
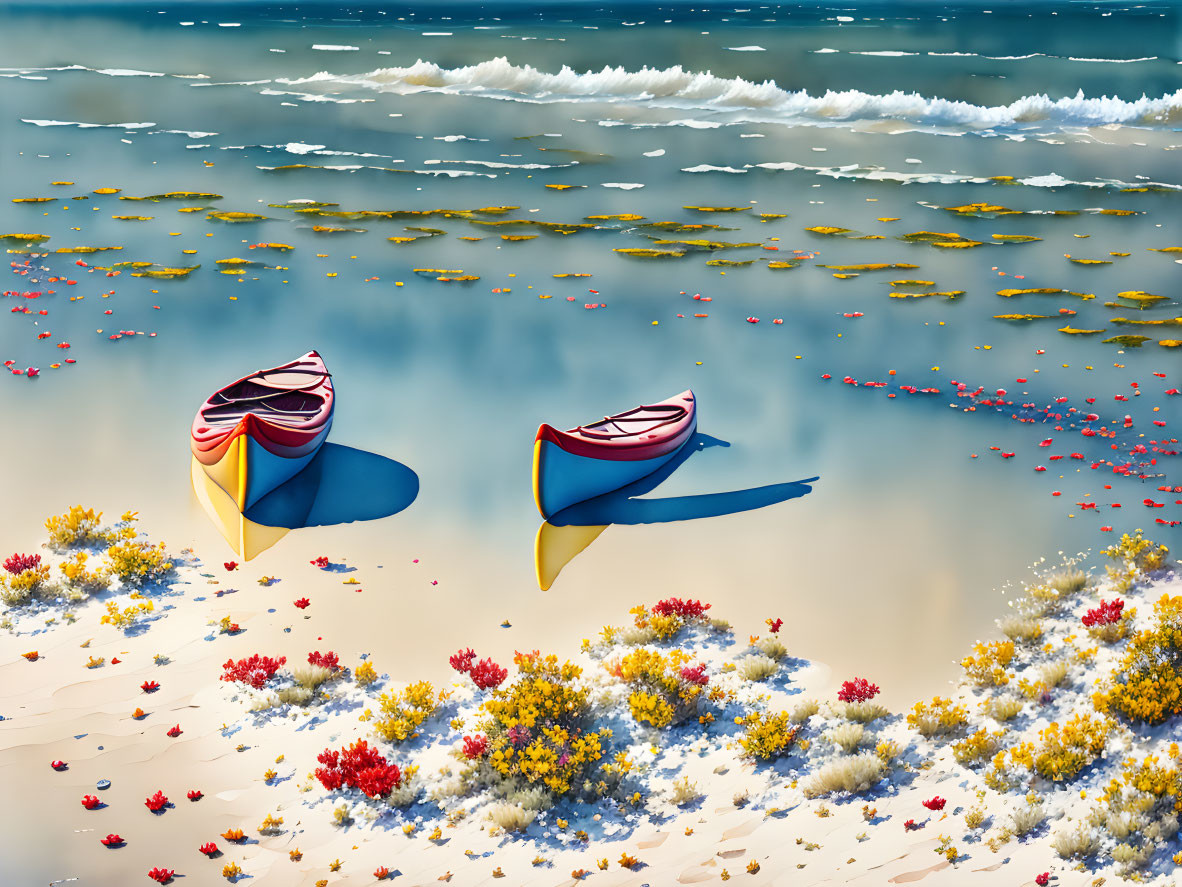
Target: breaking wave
748 101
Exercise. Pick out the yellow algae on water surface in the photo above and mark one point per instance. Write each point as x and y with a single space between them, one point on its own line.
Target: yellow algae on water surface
1164 249
565 187
33 199
1015 238
1091 261
947 294
1072 331
956 244
1139 296
1170 321
1118 212
718 209
176 195
164 272
26 238
930 236
283 247
331 229
1170 343
1047 291
840 276
85 249
874 266
1021 316
220 216
911 283
982 209
106 190
767 217
1127 341
391 239
573 274
829 230
61 183
133 218
519 237
706 244
619 217
462 277
781 265
649 253
730 262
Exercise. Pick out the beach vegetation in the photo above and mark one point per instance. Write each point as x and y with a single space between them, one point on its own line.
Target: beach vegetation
128 616
977 748
771 647
846 736
358 766
80 577
939 717
310 677
683 792
365 674
767 735
1021 629
24 577
987 665
405 711
757 667
804 710
667 689
1027 816
851 774
511 817
254 670
1146 684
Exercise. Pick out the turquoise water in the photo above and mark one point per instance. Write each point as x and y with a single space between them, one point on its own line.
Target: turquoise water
885 113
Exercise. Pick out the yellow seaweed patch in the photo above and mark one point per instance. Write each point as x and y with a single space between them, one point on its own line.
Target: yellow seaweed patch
1139 296
829 230
573 274
956 244
1127 341
1021 316
1170 343
133 218
621 217
300 205
391 239
519 236
1072 331
61 183
1015 238
26 238
869 237
887 219
1046 291
177 195
1164 249
85 249
930 236
473 239
1004 180
845 276
106 190
284 247
231 271
165 272
438 270
430 231
767 217
237 261
129 265
730 262
461 278
982 209
706 244
912 283
332 229
783 265
565 187
718 209
649 253
947 294
192 209
1168 321
220 216
561 227
1118 212
876 266
33 199
1120 255
495 210
1091 261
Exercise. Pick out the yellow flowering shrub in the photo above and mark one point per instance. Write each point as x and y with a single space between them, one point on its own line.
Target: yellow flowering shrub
135 561
77 527
1146 684
987 665
537 726
767 736
666 689
938 717
1063 751
1138 554
129 615
405 712
1151 777
81 577
977 747
17 588
365 674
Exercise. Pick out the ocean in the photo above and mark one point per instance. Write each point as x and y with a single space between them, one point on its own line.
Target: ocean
956 154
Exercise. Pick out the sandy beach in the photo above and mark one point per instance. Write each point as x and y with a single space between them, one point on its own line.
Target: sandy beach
742 770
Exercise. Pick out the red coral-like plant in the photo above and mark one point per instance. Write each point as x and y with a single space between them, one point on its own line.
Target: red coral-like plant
112 841
174 732
149 686
486 674
327 660
462 660
911 826
475 746
209 848
935 803
696 675
774 625
359 766
857 690
18 563
90 802
381 873
156 802
321 562
686 609
255 670
161 876
1043 880
302 604
1108 613
231 566
195 795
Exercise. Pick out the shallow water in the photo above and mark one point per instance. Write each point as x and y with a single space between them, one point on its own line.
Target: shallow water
887 567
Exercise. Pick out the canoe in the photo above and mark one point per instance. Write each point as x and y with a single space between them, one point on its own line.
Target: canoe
248 538
590 460
260 431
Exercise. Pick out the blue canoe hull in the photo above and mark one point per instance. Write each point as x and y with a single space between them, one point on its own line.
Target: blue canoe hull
561 479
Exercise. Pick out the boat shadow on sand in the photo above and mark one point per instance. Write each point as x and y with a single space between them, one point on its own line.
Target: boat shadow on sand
567 533
340 485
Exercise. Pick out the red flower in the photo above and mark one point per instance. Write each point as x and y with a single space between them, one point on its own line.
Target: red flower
59 765
327 660
302 604
18 563
911 826
156 802
857 690
174 732
255 670
111 841
486 674
686 609
462 660
1108 613
935 803
90 802
774 625
149 686
1043 879
381 873
696 675
195 795
475 746
231 565
321 562
162 876
358 766
209 848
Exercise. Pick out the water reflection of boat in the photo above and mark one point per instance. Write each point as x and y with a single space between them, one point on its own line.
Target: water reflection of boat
567 533
258 432
339 485
590 460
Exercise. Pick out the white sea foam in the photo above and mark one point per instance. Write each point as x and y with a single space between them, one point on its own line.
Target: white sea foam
88 125
744 100
746 49
333 47
625 186
706 167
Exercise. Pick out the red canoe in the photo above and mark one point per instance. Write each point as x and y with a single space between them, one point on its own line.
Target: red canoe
590 460
258 432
